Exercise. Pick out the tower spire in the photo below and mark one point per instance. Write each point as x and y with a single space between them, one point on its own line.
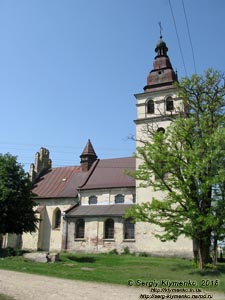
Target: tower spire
162 73
88 156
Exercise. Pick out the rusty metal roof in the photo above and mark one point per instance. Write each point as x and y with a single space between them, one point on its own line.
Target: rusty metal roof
59 183
64 182
98 210
109 173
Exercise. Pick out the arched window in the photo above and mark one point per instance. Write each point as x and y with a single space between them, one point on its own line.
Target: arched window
109 229
169 104
129 229
150 107
119 199
92 200
79 229
57 218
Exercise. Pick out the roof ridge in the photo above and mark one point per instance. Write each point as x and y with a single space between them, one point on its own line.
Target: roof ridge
89 173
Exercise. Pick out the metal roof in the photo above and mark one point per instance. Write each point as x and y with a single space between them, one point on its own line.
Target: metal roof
59 183
98 210
110 173
64 182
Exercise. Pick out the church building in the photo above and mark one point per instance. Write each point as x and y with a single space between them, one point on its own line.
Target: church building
82 207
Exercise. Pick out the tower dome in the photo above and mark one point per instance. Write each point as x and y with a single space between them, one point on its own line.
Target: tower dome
162 73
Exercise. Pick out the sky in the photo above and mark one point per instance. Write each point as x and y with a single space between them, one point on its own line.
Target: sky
69 69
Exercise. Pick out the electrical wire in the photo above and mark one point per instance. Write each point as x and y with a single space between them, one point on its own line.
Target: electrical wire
178 39
189 35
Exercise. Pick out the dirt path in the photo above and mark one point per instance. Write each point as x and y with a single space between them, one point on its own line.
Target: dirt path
24 286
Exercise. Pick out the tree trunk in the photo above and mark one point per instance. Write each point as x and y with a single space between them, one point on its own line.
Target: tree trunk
204 257
4 240
215 245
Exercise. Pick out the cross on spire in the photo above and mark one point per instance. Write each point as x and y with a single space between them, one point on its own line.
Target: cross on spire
160 28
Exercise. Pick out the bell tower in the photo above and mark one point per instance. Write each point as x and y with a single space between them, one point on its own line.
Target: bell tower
157 104
156 107
159 100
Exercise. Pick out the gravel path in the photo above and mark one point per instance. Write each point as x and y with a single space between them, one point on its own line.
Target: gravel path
24 286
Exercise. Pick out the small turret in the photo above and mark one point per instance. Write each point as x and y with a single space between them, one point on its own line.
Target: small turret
87 157
42 164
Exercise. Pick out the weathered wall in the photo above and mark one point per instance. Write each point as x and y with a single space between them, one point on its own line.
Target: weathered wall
107 196
47 237
94 240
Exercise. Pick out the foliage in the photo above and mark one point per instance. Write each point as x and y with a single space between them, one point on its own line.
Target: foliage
113 251
126 250
9 251
187 163
16 204
117 268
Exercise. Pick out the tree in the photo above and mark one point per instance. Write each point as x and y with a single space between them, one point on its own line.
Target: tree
16 198
187 162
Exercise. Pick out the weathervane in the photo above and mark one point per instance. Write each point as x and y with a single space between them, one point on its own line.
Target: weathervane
160 28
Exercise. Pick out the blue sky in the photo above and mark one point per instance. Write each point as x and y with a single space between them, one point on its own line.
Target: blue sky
69 69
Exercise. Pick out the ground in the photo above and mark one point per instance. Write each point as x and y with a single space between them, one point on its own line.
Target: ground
24 286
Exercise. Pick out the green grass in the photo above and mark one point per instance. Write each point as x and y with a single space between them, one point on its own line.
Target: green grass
119 269
4 297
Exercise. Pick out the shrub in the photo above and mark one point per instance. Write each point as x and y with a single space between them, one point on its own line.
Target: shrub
9 251
143 254
114 251
126 250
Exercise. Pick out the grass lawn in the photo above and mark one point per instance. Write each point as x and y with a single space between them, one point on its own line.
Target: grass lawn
120 269
4 297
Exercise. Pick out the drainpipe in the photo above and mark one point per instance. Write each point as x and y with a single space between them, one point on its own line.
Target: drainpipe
65 232
97 233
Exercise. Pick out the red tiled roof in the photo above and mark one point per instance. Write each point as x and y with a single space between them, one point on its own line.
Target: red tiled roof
109 173
59 183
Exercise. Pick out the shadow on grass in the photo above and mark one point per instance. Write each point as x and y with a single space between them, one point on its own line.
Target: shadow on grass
210 271
82 259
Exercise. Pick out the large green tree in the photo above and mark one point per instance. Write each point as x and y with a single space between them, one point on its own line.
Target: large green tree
16 198
187 162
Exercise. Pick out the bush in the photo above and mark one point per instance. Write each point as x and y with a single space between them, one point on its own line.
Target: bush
114 251
143 254
126 250
9 251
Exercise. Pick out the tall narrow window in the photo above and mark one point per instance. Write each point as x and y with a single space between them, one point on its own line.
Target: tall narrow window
128 229
92 200
169 104
150 107
119 199
79 229
57 218
109 229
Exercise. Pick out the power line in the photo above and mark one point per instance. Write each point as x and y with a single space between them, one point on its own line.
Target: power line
174 21
189 35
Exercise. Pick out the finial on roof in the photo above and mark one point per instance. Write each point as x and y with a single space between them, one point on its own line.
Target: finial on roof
160 29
